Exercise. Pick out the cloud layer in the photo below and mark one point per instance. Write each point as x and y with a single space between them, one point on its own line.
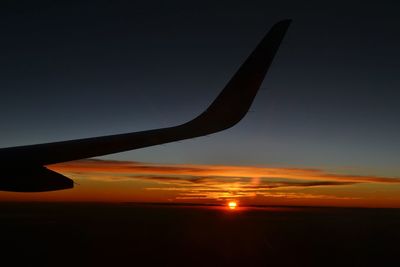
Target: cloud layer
218 182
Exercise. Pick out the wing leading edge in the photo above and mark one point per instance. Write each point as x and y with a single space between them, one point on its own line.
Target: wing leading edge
226 110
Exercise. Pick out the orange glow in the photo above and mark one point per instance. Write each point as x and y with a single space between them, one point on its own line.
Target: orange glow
232 205
124 181
98 167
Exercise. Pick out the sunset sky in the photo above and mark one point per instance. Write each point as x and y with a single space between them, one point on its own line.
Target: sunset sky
324 130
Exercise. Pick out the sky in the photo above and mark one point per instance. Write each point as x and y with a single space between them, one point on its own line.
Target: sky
329 104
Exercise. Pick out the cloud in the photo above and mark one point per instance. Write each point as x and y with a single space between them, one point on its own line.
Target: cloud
218 182
197 173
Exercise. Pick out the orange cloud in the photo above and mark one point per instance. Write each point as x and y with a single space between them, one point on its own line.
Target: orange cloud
220 182
116 170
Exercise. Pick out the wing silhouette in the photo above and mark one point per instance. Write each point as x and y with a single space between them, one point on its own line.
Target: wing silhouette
25 163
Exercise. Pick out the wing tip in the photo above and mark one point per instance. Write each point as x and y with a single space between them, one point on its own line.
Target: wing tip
234 101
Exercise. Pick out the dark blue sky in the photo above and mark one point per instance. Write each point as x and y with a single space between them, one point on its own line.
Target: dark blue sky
104 67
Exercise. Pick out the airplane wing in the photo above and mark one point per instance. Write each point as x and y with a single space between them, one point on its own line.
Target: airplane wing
231 105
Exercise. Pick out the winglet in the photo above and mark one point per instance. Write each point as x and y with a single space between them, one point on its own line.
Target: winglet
234 101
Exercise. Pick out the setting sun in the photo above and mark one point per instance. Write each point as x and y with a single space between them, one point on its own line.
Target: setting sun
232 205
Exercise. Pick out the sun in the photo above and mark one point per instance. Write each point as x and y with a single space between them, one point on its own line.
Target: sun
232 205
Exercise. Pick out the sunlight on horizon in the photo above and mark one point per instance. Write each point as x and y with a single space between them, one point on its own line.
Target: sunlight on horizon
232 205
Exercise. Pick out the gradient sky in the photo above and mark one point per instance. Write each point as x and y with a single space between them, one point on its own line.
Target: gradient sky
329 102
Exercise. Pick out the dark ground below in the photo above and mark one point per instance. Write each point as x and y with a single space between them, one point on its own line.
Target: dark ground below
61 234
